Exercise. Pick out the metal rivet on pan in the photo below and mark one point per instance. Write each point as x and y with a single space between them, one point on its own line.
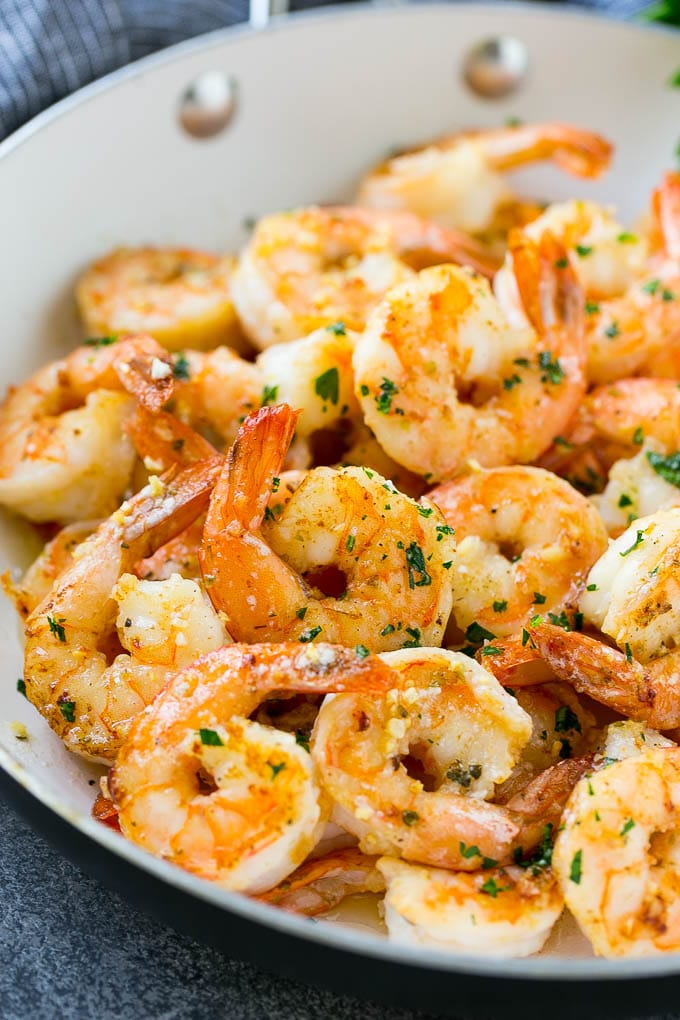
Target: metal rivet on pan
496 67
208 104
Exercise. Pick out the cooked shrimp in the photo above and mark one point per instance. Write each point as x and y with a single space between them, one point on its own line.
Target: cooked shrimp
461 734
442 378
626 317
456 180
314 267
637 487
364 450
510 561
632 596
40 577
86 691
323 883
180 296
616 856
65 456
313 374
627 739
225 798
665 285
503 912
349 558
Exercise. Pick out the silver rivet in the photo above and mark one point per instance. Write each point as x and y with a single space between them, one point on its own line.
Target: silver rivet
496 67
208 104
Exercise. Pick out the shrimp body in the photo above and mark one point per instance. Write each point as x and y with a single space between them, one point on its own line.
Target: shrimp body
74 673
616 856
349 558
42 574
457 180
635 489
442 378
225 798
313 267
65 456
322 883
180 296
465 733
510 562
504 912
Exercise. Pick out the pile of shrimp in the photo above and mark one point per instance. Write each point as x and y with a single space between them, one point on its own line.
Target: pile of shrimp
362 561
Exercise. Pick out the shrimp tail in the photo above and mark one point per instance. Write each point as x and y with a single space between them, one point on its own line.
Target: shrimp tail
549 288
256 457
666 204
145 370
596 669
542 801
321 884
577 152
166 440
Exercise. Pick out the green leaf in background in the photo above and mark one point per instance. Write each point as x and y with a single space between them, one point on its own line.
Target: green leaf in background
667 11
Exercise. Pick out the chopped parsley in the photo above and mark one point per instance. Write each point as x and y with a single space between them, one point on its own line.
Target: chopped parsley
629 654
513 380
57 629
21 686
210 738
468 851
302 740
592 308
559 620
491 887
276 767
612 330
418 576
269 395
591 587
625 500
583 250
576 867
500 606
566 720
463 775
627 238
362 651
349 544
100 341
444 529
651 286
309 635
425 511
337 328
627 826
301 613
562 263
667 467
180 367
389 629
477 635
388 390
327 385
638 436
552 370
68 710
539 599
492 650
410 817
639 539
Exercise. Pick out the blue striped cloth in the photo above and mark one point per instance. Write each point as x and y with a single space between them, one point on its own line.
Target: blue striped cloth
49 48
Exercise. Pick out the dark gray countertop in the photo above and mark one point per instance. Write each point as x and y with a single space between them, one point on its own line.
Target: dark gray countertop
69 948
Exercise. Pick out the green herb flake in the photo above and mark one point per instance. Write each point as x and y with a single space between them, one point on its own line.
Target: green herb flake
560 620
444 529
512 381
362 651
309 635
418 576
492 650
410 818
491 888
180 367
210 738
337 328
552 370
638 436
100 341
388 390
276 767
564 443
57 629
566 720
21 686
575 870
415 637
477 635
629 654
389 629
68 710
592 308
583 250
500 607
327 385
269 395
612 330
469 851
425 511
539 599
651 286
667 468
562 263
627 238
625 500
639 539
627 826
301 613
302 740
591 587
364 390
349 544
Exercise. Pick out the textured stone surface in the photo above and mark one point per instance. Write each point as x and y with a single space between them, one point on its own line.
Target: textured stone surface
69 948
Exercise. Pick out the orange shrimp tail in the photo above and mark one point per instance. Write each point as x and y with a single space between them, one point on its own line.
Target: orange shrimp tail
549 289
167 440
666 205
255 459
321 884
136 361
577 152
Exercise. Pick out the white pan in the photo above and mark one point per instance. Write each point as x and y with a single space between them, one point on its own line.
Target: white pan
318 98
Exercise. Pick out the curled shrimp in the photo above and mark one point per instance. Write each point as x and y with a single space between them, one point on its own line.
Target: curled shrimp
350 558
313 267
73 676
627 316
509 562
501 911
322 883
442 378
457 180
228 799
616 856
460 733
632 597
65 455
180 296
664 285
